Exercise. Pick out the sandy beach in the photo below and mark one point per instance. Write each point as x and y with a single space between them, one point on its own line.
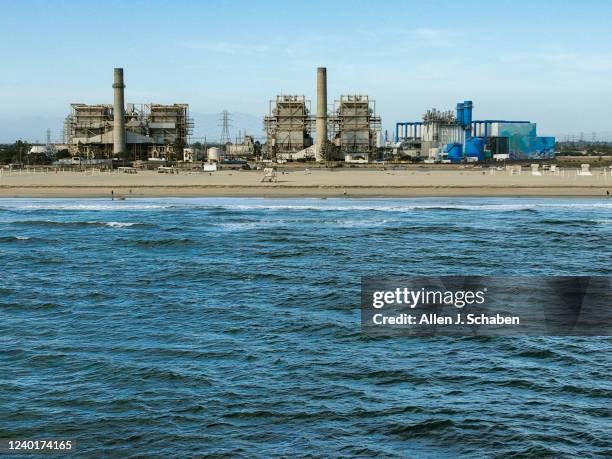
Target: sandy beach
347 182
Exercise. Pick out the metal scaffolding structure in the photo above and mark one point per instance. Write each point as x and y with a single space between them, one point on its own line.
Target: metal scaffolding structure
151 129
289 125
354 124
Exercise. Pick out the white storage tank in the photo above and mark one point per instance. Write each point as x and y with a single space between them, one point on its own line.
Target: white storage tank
214 154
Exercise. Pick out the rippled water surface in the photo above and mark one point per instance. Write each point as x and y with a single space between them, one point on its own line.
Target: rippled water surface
230 327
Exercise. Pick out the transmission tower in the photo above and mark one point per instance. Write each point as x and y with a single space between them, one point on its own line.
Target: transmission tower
224 121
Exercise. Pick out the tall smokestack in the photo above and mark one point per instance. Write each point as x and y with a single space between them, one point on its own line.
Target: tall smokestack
321 144
118 114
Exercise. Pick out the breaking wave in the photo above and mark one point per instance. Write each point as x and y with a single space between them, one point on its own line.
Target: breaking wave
14 238
52 223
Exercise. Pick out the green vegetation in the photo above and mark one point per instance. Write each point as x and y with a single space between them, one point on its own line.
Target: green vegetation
14 153
18 152
60 154
584 148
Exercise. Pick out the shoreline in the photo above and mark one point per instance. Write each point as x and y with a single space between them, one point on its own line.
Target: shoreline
280 191
306 183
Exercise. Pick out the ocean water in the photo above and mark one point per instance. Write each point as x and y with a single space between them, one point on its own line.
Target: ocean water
230 328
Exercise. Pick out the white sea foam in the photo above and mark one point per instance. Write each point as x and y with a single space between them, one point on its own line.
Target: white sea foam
361 223
104 207
333 204
239 226
117 224
245 226
22 238
77 223
338 223
408 208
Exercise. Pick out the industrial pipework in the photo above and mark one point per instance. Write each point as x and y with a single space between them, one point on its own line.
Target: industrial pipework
404 129
321 122
118 114
464 116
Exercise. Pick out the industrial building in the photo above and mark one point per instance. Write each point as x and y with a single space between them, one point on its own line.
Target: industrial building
140 131
353 127
456 137
288 126
244 149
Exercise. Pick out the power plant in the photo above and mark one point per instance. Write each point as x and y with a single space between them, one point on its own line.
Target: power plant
353 125
288 127
456 137
350 131
135 132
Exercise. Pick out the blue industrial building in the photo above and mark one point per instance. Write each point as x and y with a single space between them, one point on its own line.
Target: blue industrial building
458 137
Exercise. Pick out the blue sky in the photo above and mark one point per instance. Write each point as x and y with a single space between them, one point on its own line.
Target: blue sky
547 61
